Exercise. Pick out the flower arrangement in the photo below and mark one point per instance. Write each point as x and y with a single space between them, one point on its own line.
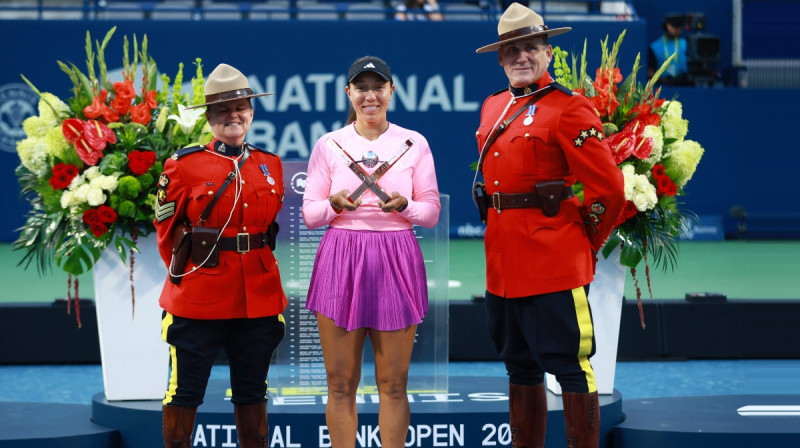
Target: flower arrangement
89 166
647 139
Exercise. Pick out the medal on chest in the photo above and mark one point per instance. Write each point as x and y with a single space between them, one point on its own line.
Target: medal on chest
265 171
529 115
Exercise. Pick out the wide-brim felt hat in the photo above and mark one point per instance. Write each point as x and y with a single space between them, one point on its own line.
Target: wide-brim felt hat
226 83
520 22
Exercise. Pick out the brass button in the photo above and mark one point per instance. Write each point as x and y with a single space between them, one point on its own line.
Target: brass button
527 135
551 197
244 229
477 133
204 243
273 191
514 102
497 154
210 193
499 211
242 181
496 183
245 205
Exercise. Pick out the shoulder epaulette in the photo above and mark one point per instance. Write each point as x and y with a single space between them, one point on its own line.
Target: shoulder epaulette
186 151
256 148
562 89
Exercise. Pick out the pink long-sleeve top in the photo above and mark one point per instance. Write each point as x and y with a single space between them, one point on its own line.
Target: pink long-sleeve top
413 176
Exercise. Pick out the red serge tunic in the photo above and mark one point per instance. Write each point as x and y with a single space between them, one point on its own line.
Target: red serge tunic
242 285
528 253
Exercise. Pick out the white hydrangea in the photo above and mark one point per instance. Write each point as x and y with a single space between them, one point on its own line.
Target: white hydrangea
654 132
32 153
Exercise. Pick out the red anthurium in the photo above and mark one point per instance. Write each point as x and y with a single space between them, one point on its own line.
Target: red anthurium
644 147
622 145
97 134
87 153
72 128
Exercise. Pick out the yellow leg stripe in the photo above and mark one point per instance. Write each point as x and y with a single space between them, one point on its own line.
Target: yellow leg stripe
586 331
173 360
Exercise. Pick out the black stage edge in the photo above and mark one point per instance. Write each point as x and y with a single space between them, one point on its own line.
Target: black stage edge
676 329
473 413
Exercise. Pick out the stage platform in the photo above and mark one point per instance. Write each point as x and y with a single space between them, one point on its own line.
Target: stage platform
473 414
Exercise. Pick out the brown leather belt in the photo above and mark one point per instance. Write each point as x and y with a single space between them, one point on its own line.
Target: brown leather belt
243 242
500 201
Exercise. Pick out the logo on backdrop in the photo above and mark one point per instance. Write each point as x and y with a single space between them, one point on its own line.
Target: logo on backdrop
299 182
17 102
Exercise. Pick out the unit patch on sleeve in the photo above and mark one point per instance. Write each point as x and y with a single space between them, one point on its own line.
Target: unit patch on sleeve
587 134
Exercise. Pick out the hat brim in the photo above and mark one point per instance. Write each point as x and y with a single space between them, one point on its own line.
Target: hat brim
548 33
225 100
367 70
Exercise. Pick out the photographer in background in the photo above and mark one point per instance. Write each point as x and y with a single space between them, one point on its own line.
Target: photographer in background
672 41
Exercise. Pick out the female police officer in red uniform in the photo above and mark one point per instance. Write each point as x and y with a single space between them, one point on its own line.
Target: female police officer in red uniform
541 241
228 295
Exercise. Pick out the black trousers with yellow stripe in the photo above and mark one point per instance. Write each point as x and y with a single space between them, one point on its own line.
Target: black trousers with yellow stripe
550 333
195 345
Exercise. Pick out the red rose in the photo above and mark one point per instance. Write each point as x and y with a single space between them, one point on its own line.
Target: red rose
629 211
106 214
98 229
90 216
141 161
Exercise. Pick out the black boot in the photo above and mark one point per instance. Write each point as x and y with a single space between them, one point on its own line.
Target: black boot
177 423
251 424
582 416
527 406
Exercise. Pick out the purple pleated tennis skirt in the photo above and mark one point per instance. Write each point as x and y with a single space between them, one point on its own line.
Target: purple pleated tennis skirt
367 279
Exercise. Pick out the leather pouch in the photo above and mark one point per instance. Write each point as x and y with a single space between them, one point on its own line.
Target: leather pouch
479 196
272 234
205 248
549 194
181 246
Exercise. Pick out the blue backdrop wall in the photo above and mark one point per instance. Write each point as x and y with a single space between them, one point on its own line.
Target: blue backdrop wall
441 84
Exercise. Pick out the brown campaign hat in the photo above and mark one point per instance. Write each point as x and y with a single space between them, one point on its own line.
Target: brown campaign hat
520 22
226 83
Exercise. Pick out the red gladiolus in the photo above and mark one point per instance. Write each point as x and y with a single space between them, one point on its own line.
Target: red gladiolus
141 161
63 174
150 99
97 107
140 113
124 96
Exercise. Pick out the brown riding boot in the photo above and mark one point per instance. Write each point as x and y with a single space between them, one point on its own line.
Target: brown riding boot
582 417
527 406
251 424
177 423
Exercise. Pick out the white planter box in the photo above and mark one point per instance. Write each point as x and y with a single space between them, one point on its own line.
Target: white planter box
135 360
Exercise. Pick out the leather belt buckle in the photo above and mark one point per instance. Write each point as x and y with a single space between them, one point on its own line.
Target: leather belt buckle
239 245
496 201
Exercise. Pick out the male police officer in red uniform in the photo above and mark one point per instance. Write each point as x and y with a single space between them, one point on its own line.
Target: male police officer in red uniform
536 140
228 296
